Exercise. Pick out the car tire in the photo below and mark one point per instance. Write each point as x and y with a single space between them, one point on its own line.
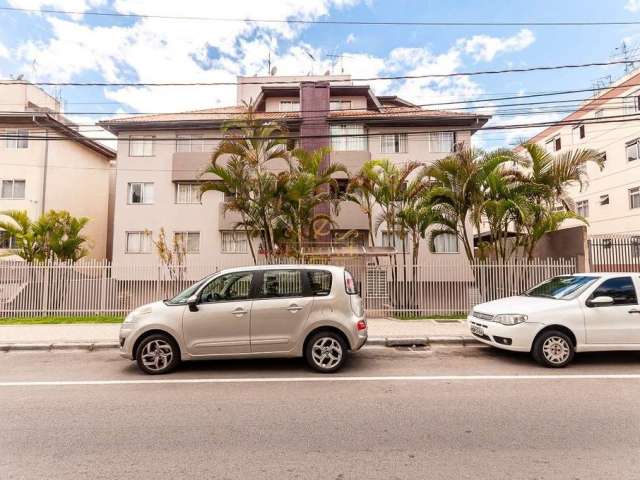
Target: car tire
553 349
326 352
157 354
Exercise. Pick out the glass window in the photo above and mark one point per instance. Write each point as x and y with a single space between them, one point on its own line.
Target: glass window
281 283
348 138
621 289
13 189
578 133
632 151
17 138
189 143
631 103
289 106
634 197
389 240
445 243
563 287
395 143
188 193
189 241
340 105
582 208
604 199
229 287
234 242
440 142
141 193
319 282
138 242
141 146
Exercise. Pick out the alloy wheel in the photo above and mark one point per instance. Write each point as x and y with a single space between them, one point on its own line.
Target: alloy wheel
157 355
326 352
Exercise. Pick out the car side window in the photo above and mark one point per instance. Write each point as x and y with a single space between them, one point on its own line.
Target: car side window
319 282
621 289
281 283
229 287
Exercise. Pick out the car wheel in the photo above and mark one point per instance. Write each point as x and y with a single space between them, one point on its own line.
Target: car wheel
553 349
157 354
326 352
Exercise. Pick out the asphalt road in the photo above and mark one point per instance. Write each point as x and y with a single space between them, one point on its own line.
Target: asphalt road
449 413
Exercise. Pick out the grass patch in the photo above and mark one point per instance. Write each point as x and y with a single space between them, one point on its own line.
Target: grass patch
454 317
55 320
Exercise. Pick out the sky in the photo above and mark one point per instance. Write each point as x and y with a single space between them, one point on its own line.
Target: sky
77 47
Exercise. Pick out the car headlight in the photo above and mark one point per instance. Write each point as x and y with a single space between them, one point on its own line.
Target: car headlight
135 315
510 319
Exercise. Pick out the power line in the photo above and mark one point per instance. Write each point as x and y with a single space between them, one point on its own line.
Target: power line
286 82
331 22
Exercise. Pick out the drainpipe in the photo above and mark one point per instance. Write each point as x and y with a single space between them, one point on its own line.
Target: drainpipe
45 167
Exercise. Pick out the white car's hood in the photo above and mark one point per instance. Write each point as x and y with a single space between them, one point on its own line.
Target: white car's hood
520 304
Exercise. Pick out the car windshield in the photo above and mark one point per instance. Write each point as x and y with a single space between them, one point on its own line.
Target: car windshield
561 288
183 296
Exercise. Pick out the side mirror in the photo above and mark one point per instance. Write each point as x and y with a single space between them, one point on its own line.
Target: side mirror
192 301
601 301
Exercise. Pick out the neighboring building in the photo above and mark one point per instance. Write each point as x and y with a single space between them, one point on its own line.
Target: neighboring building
160 158
611 200
47 164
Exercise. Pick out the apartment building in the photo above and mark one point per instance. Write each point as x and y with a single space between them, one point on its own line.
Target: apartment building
611 200
161 158
47 164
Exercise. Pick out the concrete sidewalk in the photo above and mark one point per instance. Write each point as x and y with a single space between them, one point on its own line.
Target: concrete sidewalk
94 336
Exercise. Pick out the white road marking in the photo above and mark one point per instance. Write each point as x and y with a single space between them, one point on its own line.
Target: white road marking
333 378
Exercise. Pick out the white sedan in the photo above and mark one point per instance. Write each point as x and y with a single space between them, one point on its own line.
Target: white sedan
587 312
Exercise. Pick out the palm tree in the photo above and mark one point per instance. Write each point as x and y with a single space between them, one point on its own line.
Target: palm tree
360 191
19 227
307 186
458 192
61 235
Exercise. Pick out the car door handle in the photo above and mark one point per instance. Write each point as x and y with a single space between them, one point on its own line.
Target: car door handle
239 311
294 308
634 310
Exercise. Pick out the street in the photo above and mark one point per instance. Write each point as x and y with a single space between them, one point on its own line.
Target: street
275 419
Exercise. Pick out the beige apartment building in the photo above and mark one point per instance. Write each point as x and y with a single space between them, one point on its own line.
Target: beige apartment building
47 164
161 158
611 200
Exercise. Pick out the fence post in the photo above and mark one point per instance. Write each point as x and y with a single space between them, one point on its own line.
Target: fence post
103 288
45 289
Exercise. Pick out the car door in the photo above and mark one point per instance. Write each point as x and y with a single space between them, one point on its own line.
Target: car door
221 321
279 310
617 323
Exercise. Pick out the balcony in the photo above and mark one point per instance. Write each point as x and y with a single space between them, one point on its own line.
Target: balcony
227 220
351 217
187 166
352 160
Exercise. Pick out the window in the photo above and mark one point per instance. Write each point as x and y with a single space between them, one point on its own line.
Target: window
395 143
632 151
582 208
340 105
226 288
319 282
554 144
289 106
17 138
348 138
621 289
440 142
631 104
189 241
388 240
13 189
634 197
445 243
189 143
604 199
141 146
140 193
578 133
234 242
281 283
188 193
6 240
138 242
599 113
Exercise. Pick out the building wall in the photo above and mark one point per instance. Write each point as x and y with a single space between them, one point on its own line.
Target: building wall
16 97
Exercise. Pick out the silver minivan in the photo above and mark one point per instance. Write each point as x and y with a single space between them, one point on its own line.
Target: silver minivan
313 311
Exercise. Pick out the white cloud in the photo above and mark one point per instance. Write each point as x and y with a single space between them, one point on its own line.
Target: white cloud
485 48
4 51
351 38
632 5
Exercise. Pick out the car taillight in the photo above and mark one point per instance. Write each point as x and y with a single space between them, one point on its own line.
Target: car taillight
361 325
349 284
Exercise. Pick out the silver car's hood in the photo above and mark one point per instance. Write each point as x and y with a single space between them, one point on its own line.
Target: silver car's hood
520 304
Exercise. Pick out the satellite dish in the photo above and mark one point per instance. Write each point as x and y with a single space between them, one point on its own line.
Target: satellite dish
273 71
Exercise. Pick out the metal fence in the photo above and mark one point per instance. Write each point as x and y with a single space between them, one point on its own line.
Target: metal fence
614 253
98 287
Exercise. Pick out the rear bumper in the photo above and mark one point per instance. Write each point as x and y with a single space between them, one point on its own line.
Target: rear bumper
361 340
519 337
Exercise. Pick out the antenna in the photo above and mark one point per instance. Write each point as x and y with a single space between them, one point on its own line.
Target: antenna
628 54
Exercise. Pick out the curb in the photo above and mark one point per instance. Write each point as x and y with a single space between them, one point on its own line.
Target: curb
391 342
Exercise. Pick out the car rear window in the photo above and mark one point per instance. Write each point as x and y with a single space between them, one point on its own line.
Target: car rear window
281 283
319 282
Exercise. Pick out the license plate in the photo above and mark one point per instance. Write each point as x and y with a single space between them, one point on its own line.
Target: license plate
476 330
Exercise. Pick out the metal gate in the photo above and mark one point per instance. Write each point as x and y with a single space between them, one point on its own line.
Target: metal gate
614 253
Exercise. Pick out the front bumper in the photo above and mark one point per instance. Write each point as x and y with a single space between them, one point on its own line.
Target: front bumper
520 337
